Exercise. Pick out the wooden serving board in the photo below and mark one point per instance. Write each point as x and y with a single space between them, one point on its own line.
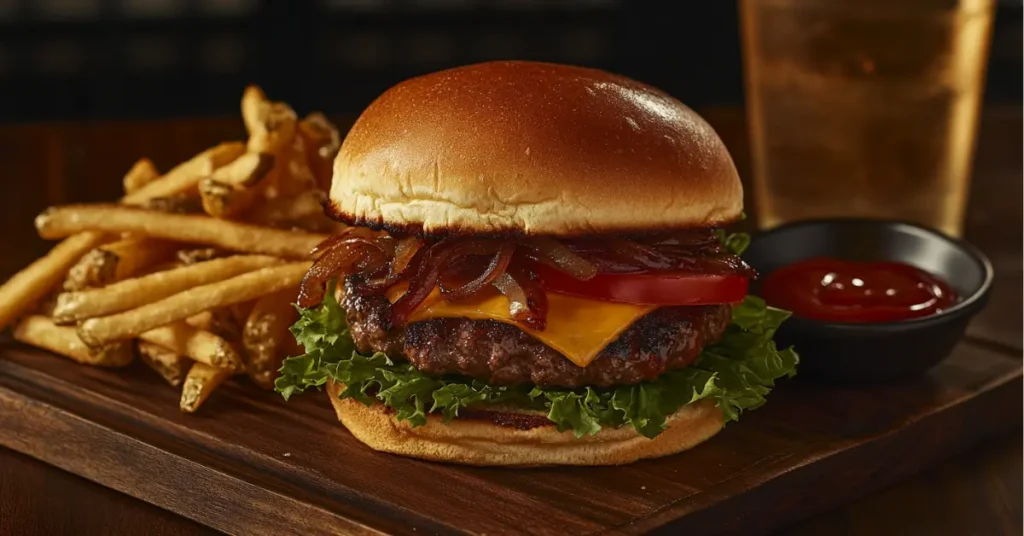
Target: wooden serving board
249 463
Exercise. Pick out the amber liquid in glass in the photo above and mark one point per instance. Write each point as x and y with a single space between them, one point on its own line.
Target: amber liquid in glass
861 108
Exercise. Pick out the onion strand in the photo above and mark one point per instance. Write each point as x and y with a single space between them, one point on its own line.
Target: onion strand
557 255
495 269
461 267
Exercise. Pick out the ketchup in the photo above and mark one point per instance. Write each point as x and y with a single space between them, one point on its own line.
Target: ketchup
835 290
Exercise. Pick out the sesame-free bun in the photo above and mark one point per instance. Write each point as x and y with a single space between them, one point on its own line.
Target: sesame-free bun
480 442
532 148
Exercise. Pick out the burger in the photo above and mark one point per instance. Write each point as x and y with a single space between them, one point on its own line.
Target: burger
534 272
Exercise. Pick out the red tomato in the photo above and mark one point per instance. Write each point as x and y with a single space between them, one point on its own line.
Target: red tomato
670 288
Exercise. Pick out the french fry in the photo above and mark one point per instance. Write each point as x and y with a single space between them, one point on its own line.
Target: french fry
234 187
176 204
184 177
118 260
253 101
266 338
46 305
271 125
203 321
272 128
168 364
132 293
220 322
293 175
241 288
285 209
187 257
160 273
141 173
24 289
40 331
21 292
322 143
202 380
196 344
302 211
58 222
247 170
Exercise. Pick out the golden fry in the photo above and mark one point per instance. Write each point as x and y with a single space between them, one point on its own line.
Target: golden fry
42 332
21 292
177 204
132 293
168 364
24 289
253 100
116 261
196 344
58 222
293 175
246 171
186 257
186 176
158 274
322 143
245 287
220 322
286 209
271 125
302 211
141 173
266 337
234 187
202 380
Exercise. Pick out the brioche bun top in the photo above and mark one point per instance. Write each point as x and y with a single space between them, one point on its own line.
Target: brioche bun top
532 148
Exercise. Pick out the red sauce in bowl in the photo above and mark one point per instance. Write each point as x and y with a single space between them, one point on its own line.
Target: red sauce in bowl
835 290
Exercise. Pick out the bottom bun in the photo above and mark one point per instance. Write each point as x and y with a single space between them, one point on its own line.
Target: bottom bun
481 442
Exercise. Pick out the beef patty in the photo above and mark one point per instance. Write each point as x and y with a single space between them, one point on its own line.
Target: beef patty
502 354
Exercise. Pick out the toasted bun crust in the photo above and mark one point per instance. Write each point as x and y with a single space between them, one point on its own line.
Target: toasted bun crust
532 148
478 442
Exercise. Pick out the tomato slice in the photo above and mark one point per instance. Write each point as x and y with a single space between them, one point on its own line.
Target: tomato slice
668 288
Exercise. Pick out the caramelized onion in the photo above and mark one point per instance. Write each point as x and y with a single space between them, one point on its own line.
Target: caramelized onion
438 258
643 256
527 302
405 251
692 239
340 259
497 267
692 253
346 233
403 255
557 255
516 296
463 267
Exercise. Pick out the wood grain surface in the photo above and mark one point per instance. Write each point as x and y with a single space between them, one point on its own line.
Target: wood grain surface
281 467
82 162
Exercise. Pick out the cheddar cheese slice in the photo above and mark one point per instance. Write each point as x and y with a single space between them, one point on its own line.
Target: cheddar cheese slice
577 327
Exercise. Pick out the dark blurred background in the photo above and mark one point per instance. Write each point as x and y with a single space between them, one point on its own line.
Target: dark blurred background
103 59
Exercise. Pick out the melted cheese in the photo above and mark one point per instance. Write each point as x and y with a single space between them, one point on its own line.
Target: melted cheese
577 327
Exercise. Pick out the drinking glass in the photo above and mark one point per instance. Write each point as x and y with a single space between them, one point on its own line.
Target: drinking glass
864 108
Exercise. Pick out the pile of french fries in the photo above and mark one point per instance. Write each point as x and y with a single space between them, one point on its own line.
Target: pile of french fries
195 270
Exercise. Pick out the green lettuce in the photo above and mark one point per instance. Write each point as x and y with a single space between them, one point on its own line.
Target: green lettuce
736 373
734 243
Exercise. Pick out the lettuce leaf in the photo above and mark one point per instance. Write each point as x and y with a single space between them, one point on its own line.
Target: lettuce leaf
736 373
735 243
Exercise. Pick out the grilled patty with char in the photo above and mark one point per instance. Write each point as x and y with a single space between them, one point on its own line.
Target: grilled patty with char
502 354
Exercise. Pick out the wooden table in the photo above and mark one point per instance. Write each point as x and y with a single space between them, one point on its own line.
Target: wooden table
975 493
